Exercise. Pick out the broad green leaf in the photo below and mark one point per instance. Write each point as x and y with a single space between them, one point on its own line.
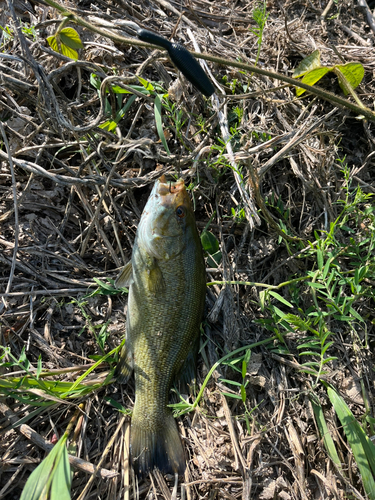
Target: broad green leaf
146 84
312 77
307 64
159 123
279 312
109 125
354 313
324 432
119 90
353 72
62 478
52 41
361 445
280 298
68 52
70 38
210 243
38 479
65 50
214 259
94 80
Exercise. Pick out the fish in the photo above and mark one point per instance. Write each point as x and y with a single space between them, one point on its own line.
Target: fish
167 286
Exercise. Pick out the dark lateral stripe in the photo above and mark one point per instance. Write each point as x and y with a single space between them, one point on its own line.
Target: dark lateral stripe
182 59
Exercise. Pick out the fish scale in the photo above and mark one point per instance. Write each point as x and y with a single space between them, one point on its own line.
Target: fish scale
166 279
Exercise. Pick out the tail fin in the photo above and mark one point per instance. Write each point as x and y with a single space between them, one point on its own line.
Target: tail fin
159 447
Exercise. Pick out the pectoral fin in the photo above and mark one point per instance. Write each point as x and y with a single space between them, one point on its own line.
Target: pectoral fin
156 281
125 278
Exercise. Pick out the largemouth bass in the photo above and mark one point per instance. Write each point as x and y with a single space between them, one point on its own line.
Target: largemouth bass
167 286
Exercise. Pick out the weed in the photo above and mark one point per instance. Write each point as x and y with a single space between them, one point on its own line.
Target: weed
260 17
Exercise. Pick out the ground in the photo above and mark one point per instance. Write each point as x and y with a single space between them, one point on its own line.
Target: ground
282 186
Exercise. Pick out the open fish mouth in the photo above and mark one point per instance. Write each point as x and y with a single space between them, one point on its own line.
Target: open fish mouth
157 236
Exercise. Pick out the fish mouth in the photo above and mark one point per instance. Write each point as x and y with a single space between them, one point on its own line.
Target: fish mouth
157 236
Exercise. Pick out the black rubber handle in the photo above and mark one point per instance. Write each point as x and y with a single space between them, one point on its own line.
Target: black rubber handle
182 59
151 37
191 68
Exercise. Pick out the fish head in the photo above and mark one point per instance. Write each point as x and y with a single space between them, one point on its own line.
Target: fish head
165 219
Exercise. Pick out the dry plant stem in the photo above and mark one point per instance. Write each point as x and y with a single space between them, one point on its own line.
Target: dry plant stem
250 210
87 488
37 439
254 179
236 447
16 223
299 136
326 10
323 94
58 291
126 460
370 17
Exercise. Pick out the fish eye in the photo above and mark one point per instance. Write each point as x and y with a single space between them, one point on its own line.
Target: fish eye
180 212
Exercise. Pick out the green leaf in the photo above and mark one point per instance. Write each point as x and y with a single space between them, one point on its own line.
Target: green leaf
68 52
354 313
52 42
210 243
229 395
326 269
280 298
353 72
65 50
146 84
94 80
361 445
39 367
243 394
312 77
62 478
244 368
318 286
262 299
230 382
159 123
214 259
109 125
38 479
119 90
323 430
307 64
319 257
70 38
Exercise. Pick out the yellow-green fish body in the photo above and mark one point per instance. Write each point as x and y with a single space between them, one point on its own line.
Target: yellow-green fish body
166 299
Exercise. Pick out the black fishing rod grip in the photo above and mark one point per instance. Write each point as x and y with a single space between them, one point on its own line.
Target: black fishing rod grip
151 37
182 59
